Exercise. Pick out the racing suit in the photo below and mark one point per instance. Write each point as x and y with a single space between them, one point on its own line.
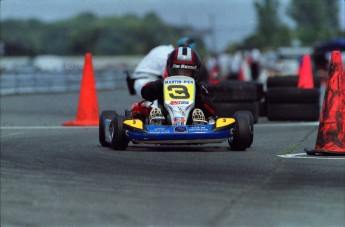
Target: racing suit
151 67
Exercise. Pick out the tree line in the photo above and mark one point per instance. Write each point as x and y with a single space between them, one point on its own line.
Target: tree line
88 33
315 20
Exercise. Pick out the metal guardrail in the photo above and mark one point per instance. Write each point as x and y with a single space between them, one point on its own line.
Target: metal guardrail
12 83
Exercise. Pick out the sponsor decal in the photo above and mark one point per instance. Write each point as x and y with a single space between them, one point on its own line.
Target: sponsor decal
179 102
172 82
176 66
198 129
180 129
189 67
179 120
178 82
160 130
182 111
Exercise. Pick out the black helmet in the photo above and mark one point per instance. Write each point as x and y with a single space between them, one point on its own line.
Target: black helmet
183 61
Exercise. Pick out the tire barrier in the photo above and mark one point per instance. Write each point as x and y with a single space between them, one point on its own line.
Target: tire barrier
293 111
289 81
229 109
232 96
292 95
232 91
292 104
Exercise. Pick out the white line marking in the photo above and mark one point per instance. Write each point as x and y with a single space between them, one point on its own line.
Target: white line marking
294 124
12 134
304 155
45 127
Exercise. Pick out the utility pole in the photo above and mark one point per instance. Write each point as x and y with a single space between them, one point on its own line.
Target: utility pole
213 31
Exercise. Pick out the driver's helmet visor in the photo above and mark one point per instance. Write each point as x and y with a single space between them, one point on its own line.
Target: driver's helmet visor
182 72
186 71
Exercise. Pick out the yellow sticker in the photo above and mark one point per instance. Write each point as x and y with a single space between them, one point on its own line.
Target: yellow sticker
179 88
135 123
221 122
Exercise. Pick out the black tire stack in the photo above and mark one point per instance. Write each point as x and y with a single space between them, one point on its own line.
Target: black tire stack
286 102
232 96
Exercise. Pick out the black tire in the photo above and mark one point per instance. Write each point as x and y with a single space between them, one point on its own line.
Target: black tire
233 91
262 108
229 109
317 81
292 95
107 114
259 90
293 112
250 119
119 140
282 81
241 140
289 81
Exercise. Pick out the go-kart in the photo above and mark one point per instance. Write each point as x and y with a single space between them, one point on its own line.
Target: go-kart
116 131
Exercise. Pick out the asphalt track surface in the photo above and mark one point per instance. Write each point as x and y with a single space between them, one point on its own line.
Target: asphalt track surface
61 176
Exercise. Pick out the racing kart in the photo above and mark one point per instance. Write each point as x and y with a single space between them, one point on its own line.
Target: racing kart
116 131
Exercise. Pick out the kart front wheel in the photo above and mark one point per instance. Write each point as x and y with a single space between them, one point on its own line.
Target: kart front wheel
242 135
249 117
106 116
119 141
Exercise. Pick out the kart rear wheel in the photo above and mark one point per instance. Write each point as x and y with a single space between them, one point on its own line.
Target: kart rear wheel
118 139
250 119
241 140
105 115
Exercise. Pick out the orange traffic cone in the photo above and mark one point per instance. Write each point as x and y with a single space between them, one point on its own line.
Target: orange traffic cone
331 134
87 114
240 75
305 74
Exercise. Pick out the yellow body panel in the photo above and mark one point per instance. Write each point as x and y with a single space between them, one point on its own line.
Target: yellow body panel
221 122
135 123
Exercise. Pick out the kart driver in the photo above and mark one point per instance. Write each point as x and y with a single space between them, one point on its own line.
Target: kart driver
152 66
189 59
